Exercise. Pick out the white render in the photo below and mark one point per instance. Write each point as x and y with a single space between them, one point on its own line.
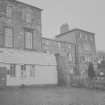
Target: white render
25 57
43 75
45 67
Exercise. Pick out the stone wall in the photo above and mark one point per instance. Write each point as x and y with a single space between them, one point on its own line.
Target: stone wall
65 62
18 23
84 46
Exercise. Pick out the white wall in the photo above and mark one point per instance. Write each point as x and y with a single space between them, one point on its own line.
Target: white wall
43 75
26 57
45 67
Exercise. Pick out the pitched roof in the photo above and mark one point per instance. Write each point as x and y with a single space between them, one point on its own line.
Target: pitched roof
57 40
76 29
32 6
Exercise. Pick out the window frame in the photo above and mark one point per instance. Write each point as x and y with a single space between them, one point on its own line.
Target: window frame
32 43
9 11
12 71
23 70
91 37
28 16
47 42
82 59
59 44
80 35
12 36
69 46
87 47
70 57
32 70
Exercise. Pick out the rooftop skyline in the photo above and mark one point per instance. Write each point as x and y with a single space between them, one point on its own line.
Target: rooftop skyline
84 14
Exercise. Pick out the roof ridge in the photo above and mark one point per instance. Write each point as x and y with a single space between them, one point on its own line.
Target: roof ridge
74 29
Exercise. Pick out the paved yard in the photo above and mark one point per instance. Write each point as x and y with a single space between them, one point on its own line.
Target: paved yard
51 96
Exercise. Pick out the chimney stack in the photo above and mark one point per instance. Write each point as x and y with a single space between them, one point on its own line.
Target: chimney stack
64 28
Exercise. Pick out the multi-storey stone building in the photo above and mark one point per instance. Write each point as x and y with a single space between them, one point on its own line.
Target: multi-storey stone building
85 48
18 23
27 58
22 61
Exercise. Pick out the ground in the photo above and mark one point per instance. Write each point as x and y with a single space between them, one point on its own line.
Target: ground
51 96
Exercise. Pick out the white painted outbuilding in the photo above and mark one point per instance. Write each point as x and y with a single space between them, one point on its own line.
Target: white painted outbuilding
26 67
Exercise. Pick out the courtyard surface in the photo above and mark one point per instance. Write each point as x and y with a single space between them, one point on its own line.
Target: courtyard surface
51 96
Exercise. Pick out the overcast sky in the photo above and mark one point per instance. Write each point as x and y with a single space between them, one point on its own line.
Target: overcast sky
85 14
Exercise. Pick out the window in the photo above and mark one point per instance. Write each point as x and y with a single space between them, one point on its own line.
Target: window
23 71
96 59
82 59
69 46
80 35
70 57
87 58
86 37
46 42
91 37
45 47
28 40
9 11
83 36
87 46
23 67
8 37
32 71
28 17
59 44
48 52
12 71
71 71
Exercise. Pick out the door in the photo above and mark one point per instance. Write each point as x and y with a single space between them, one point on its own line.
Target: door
2 76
